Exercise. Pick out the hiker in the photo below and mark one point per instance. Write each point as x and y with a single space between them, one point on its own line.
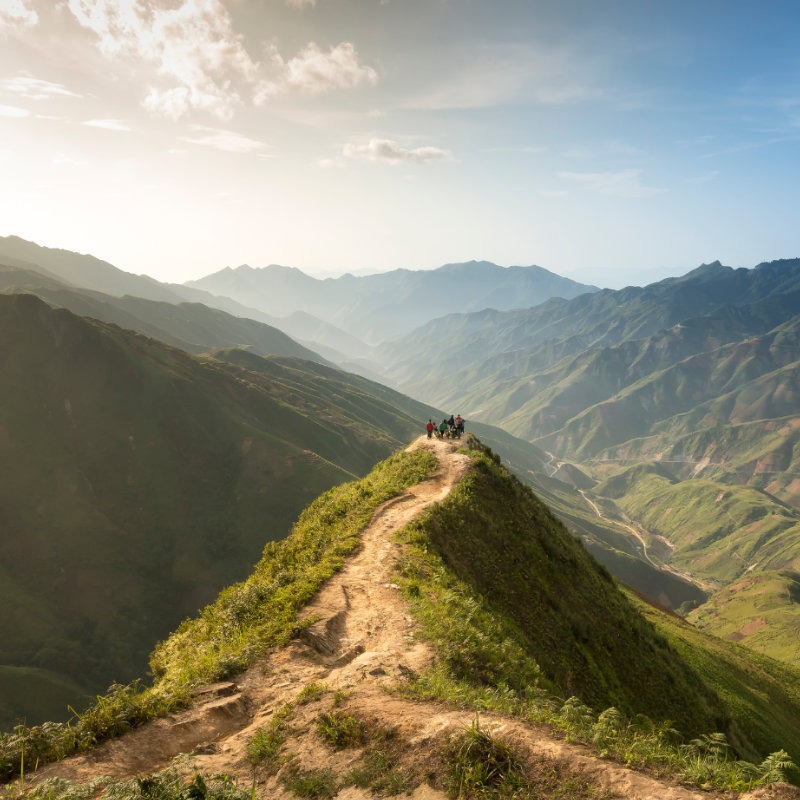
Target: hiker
442 428
429 428
451 423
459 425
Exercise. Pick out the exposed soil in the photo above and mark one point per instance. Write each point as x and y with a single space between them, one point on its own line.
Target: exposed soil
364 643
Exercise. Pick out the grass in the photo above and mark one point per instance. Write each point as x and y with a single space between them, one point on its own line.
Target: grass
170 784
380 772
496 581
264 747
480 766
245 621
314 784
340 731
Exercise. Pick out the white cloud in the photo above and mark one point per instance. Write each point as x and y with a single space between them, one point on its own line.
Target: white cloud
394 153
225 140
202 62
17 14
107 124
301 3
625 183
33 88
191 43
313 70
14 111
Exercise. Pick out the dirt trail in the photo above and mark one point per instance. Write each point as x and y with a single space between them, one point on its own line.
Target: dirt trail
364 642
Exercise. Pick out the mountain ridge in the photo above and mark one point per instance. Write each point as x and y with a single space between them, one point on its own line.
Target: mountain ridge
360 642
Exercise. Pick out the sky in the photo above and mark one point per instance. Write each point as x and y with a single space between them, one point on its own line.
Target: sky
614 142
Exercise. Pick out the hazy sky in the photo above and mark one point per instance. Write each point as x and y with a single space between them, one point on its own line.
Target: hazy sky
611 141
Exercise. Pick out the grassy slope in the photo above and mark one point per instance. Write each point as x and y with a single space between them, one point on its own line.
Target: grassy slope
526 605
761 695
505 549
764 453
760 611
501 540
245 620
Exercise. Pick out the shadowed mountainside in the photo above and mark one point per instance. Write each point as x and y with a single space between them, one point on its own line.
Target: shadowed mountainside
137 480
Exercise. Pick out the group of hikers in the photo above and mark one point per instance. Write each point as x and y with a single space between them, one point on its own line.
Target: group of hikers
452 427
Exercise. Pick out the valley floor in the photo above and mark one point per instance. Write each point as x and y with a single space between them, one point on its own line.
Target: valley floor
363 643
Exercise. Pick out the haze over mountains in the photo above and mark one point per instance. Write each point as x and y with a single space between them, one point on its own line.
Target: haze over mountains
379 307
659 422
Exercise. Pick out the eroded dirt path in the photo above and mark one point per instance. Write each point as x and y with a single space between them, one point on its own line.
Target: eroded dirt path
364 642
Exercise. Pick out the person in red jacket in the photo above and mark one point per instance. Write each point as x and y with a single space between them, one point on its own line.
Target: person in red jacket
429 428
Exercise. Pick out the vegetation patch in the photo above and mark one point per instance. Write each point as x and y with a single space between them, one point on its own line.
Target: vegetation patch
339 730
264 747
170 784
380 772
479 765
245 621
312 783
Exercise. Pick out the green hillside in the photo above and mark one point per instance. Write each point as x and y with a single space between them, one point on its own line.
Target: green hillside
760 611
764 454
509 594
137 480
717 531
467 354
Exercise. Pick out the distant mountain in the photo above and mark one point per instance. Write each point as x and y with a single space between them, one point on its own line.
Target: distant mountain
440 359
82 270
378 307
137 480
191 326
694 377
30 267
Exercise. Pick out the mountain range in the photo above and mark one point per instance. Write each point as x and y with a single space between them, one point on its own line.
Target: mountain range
658 422
140 477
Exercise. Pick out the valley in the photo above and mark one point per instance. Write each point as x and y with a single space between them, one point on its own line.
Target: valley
156 437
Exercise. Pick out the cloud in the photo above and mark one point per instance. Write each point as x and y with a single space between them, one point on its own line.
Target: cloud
191 43
301 3
17 14
225 140
200 60
33 88
394 153
14 111
107 124
313 70
625 183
